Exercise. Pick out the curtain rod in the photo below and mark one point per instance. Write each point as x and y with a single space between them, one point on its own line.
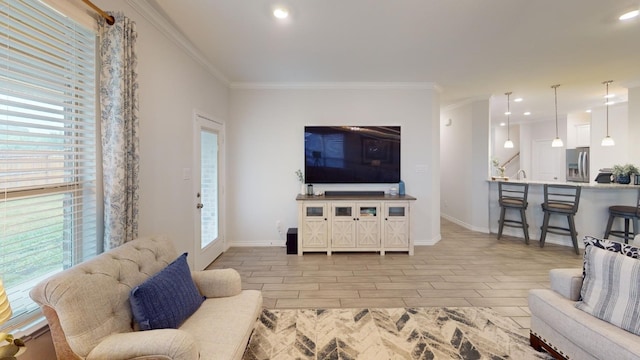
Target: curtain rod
109 18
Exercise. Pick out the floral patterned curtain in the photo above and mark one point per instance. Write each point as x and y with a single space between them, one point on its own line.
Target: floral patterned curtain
120 133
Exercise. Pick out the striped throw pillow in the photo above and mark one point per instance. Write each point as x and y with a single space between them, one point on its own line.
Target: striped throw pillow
625 249
611 288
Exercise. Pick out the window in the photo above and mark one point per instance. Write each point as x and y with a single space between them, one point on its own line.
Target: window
48 184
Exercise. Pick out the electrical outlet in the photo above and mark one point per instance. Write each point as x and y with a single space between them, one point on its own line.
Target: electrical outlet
279 226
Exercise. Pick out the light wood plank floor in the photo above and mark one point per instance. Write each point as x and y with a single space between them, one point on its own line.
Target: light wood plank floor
465 268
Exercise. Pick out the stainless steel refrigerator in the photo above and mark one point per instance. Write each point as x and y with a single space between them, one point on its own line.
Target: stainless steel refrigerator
578 164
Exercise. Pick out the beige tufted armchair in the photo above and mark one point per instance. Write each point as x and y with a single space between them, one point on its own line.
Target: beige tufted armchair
88 310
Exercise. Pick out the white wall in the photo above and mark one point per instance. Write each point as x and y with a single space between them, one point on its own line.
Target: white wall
464 158
498 151
605 156
455 172
634 125
265 147
480 158
524 161
172 85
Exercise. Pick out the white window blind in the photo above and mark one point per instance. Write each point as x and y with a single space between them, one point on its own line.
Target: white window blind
48 207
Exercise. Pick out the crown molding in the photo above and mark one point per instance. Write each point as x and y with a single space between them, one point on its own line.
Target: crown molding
159 21
337 86
466 101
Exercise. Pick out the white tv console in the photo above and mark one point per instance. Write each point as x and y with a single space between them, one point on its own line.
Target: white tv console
354 222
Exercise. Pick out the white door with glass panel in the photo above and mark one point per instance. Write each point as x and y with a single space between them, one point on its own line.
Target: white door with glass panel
209 243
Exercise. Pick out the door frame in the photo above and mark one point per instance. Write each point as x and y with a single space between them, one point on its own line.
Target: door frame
202 258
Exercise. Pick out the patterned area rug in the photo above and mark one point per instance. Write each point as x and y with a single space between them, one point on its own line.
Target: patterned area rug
371 334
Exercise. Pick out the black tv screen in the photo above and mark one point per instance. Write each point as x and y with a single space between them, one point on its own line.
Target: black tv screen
352 154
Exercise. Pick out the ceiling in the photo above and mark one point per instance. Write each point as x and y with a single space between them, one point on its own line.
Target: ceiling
470 48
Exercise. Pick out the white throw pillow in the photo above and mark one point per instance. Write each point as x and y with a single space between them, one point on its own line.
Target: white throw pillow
611 288
636 241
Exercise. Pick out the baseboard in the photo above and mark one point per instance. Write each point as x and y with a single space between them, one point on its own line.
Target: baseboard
258 243
427 242
484 230
534 236
282 243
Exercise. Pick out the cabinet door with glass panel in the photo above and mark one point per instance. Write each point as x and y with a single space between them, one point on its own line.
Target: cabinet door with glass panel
396 227
355 225
343 225
314 226
368 225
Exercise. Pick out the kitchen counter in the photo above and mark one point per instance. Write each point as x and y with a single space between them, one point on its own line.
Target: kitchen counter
593 185
591 218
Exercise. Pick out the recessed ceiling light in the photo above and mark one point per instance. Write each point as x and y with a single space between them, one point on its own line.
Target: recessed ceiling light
610 103
588 110
281 13
518 99
503 124
527 113
507 112
629 15
609 96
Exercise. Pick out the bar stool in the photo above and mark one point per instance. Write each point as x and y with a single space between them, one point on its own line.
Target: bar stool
627 213
513 196
560 200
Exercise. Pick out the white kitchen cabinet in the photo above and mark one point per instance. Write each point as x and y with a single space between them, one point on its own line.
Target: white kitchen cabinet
583 135
344 223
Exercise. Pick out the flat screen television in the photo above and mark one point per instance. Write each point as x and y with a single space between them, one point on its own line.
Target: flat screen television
352 154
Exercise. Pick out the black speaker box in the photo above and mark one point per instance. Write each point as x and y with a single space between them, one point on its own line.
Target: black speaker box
292 241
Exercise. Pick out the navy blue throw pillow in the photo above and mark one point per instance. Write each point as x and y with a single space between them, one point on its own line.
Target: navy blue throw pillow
166 299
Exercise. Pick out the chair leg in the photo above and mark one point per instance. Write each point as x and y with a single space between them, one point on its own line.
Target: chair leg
609 225
501 222
574 233
626 230
545 224
525 226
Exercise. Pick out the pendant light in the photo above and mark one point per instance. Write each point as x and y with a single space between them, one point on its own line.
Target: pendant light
508 144
607 141
557 142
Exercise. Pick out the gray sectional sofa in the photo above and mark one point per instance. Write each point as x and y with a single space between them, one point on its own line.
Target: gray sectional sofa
559 327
